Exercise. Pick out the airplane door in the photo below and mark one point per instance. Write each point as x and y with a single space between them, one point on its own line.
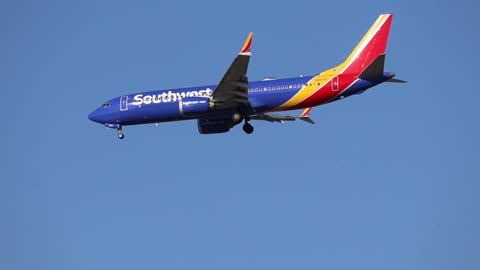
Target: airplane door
124 103
335 84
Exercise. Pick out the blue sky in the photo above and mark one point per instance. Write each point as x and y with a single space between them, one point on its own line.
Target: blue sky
384 180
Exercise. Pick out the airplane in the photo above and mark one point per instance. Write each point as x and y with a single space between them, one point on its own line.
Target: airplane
218 108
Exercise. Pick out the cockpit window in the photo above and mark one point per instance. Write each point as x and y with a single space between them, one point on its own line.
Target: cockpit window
106 104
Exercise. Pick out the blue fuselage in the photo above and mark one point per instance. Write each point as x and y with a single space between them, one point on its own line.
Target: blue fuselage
163 105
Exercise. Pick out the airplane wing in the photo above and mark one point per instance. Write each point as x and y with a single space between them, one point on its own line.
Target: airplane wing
232 91
271 117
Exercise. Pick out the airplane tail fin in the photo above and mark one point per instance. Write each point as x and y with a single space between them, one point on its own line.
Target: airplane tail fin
368 57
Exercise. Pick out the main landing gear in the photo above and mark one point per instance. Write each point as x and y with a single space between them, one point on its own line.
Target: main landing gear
247 127
237 118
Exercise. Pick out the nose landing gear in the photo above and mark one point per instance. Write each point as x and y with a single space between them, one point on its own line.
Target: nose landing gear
116 126
120 134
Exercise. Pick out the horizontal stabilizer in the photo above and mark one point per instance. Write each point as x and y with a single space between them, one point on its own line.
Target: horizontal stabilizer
393 80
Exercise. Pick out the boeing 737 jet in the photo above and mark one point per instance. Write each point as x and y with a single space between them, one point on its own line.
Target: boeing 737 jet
218 108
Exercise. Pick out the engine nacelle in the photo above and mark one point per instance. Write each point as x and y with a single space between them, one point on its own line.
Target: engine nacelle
211 126
193 106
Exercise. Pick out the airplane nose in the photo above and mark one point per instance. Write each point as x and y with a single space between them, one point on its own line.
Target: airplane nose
93 116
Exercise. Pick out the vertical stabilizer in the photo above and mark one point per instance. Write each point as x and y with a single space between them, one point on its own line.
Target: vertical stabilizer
372 47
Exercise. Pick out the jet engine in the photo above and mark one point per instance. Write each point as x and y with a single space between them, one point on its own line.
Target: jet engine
211 126
194 106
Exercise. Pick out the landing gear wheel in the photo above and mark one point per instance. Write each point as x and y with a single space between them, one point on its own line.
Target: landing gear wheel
248 128
120 136
237 118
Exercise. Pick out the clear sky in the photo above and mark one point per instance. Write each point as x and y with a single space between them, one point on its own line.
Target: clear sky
385 180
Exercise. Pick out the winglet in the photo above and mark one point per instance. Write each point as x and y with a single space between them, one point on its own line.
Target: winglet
306 112
305 116
248 43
